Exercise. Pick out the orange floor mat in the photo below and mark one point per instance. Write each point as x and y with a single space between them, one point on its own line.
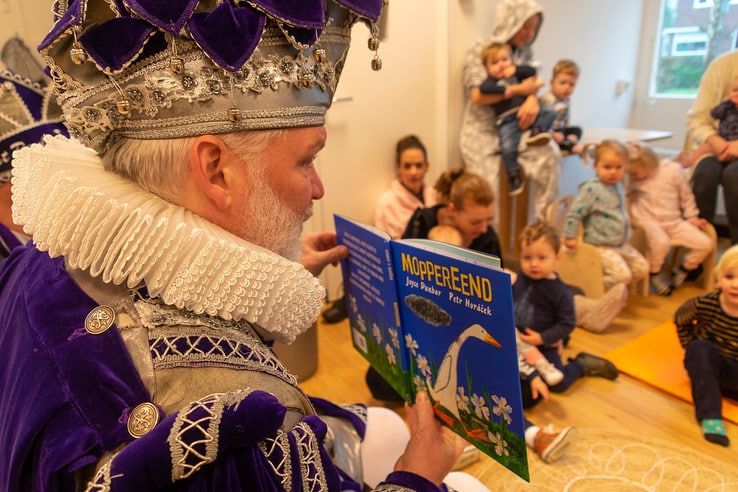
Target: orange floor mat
656 358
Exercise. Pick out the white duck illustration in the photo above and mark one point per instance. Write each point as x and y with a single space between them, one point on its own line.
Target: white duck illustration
443 391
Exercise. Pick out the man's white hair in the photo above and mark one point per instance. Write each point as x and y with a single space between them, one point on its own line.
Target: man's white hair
160 166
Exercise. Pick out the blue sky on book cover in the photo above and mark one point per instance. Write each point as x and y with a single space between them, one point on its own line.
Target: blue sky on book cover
459 317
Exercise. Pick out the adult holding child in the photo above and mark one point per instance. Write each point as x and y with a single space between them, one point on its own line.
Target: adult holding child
720 167
517 23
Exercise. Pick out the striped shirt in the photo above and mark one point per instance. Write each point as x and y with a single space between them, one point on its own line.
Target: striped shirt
702 318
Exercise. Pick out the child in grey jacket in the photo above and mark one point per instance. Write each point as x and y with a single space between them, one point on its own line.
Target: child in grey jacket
601 209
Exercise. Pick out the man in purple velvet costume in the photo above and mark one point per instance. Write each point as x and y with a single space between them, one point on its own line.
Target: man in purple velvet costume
136 330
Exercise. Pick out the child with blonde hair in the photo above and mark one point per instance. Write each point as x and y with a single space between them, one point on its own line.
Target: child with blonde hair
601 209
708 331
563 82
663 205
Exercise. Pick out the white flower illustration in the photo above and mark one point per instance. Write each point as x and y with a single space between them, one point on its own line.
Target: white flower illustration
462 400
501 408
499 443
423 366
377 333
411 344
395 338
352 303
480 406
390 353
362 324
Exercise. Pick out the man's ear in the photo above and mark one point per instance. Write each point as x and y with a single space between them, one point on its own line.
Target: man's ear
209 160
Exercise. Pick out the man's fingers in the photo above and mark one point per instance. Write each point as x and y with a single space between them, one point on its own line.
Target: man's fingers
458 443
424 410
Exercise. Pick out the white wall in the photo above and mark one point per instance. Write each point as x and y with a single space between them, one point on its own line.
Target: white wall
603 38
408 95
29 19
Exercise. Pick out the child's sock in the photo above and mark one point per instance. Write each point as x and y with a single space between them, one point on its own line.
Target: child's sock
659 285
678 276
714 431
530 435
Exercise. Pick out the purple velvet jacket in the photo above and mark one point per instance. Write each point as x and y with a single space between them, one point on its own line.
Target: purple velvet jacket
66 395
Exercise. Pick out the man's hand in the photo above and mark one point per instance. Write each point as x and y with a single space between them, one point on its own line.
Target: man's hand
729 152
697 222
571 243
531 337
527 112
538 388
432 449
319 249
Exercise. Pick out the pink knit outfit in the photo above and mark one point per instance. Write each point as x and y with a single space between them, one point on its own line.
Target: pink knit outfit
396 206
661 205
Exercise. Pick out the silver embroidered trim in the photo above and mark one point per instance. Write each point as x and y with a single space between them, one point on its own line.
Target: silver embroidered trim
356 409
278 451
296 85
281 464
188 455
223 352
387 487
102 480
308 449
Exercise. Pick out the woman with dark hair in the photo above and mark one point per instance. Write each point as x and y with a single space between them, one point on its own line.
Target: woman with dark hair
407 192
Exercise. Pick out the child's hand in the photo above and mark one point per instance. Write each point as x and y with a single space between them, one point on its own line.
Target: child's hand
532 337
538 387
558 136
559 347
697 222
571 243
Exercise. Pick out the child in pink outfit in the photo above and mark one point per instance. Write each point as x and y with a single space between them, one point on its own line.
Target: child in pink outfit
662 203
407 192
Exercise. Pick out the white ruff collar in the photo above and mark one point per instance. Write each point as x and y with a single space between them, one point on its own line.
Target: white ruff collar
114 229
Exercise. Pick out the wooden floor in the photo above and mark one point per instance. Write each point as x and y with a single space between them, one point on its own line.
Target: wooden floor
627 404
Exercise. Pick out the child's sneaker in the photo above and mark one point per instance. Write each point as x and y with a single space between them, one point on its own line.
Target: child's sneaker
550 445
516 183
538 137
548 372
660 286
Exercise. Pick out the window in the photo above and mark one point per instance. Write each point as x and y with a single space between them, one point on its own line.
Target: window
703 4
691 33
689 44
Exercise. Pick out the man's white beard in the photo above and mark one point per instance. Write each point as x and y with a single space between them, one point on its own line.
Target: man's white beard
268 222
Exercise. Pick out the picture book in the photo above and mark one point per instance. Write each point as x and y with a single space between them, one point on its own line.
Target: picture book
435 317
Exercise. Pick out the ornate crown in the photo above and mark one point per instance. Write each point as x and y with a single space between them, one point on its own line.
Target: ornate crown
27 111
146 69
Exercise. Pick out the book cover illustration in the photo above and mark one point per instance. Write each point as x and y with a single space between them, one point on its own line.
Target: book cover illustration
445 324
458 319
